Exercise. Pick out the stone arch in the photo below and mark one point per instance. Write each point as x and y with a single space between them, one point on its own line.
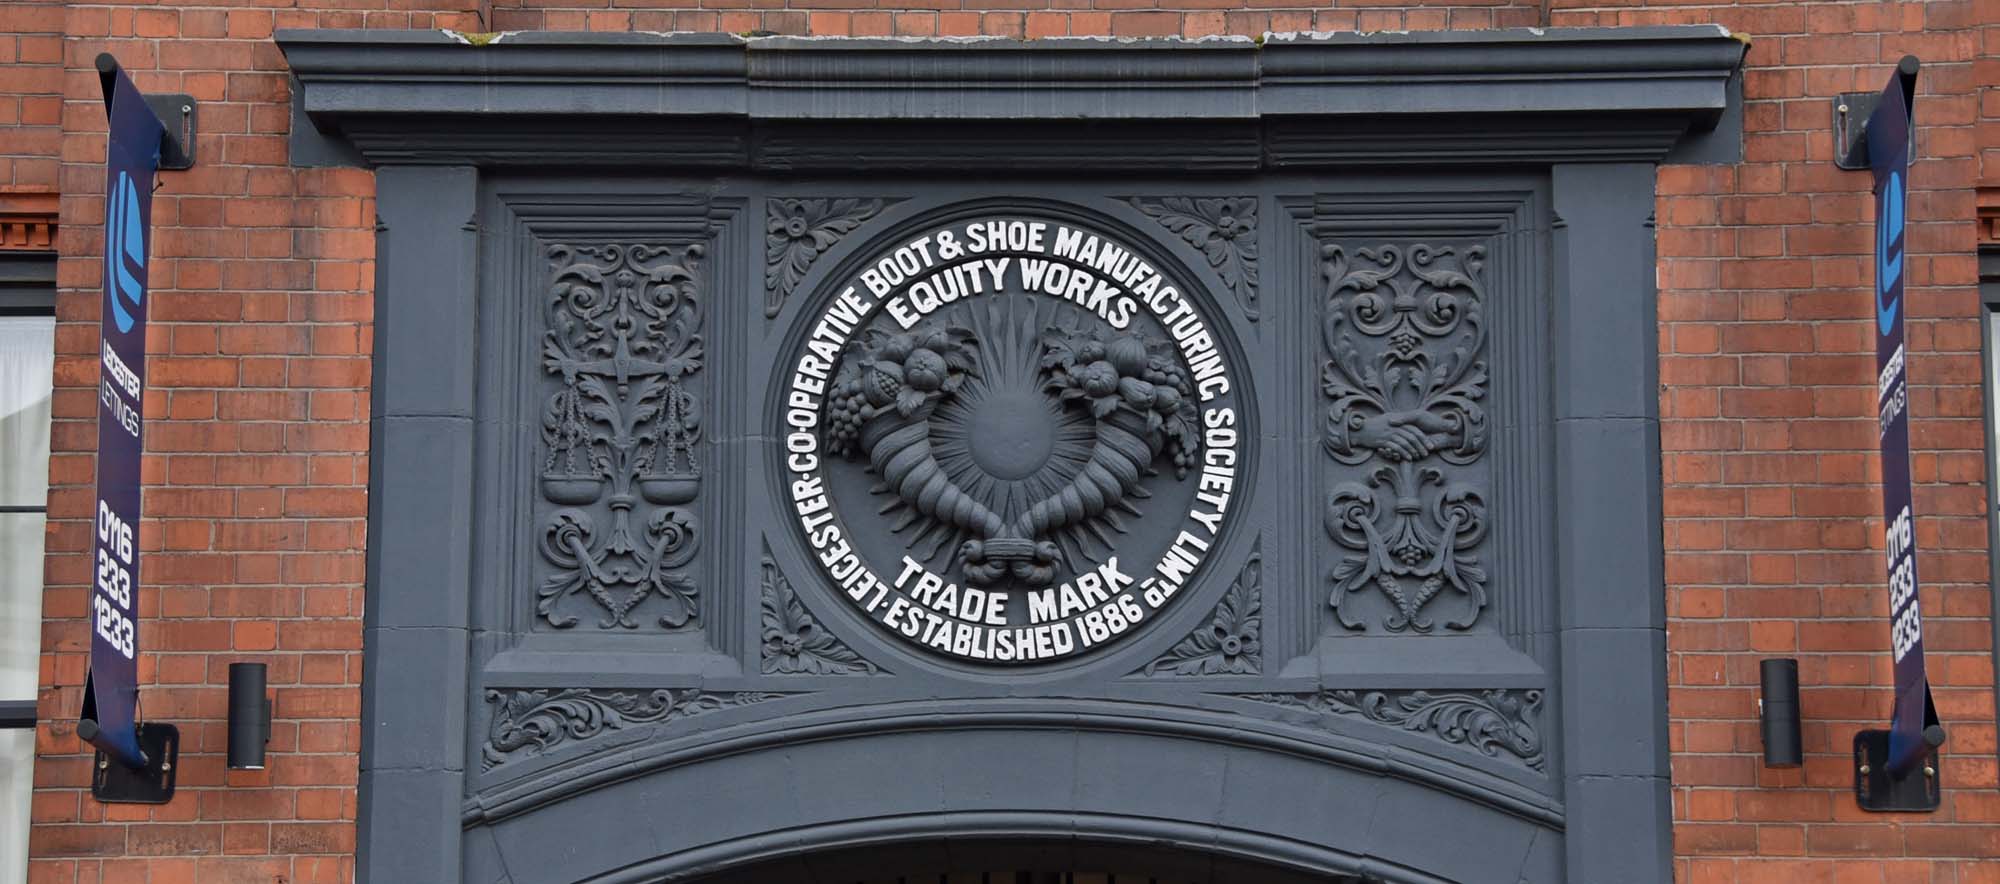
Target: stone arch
975 779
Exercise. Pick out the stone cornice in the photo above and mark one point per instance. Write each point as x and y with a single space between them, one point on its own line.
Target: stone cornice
1988 202
1228 104
1670 70
28 220
1988 209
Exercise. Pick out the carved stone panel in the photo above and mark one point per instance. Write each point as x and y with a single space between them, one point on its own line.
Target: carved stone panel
1223 230
794 641
1405 382
621 424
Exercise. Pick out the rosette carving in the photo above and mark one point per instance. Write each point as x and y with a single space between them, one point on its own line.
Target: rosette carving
619 432
1406 335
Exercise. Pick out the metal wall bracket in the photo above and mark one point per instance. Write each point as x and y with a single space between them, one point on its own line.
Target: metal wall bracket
1878 790
114 783
177 112
1850 130
1851 111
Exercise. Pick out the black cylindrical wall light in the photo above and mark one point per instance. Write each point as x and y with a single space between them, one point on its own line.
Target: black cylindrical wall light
249 716
1779 709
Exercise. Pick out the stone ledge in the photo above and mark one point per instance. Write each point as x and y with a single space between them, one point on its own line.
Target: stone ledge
437 97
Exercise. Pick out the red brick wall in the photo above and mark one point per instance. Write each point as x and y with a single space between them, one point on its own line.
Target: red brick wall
257 457
30 95
1773 527
258 417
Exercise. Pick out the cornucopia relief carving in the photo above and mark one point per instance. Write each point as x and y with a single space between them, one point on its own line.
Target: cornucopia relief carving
1011 439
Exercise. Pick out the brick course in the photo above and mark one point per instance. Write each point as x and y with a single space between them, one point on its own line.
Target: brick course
257 434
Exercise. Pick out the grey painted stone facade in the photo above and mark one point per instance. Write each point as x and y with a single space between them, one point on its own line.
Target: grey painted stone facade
1419 631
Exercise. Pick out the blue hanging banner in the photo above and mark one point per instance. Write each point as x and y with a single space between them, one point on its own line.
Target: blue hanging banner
1889 142
111 692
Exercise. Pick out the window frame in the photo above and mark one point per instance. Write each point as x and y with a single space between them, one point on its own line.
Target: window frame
27 288
1989 347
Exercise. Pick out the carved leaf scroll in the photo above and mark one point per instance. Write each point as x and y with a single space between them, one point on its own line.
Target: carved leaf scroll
794 642
1492 721
1223 229
1405 334
528 722
1231 642
797 232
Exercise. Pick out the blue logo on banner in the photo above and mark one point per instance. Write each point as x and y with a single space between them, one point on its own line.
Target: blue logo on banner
125 251
1889 252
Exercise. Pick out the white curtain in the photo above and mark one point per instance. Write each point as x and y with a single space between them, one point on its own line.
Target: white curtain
27 349
27 357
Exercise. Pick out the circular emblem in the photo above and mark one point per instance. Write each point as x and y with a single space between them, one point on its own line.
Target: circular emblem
1011 439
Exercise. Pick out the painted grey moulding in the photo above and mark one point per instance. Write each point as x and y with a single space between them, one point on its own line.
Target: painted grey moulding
1275 556
779 103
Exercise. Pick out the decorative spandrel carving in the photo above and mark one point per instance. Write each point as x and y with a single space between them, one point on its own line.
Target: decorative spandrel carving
1406 337
620 433
797 232
528 722
794 642
1231 642
1492 722
1223 229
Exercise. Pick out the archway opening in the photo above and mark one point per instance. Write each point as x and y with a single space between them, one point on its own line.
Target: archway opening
1021 861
